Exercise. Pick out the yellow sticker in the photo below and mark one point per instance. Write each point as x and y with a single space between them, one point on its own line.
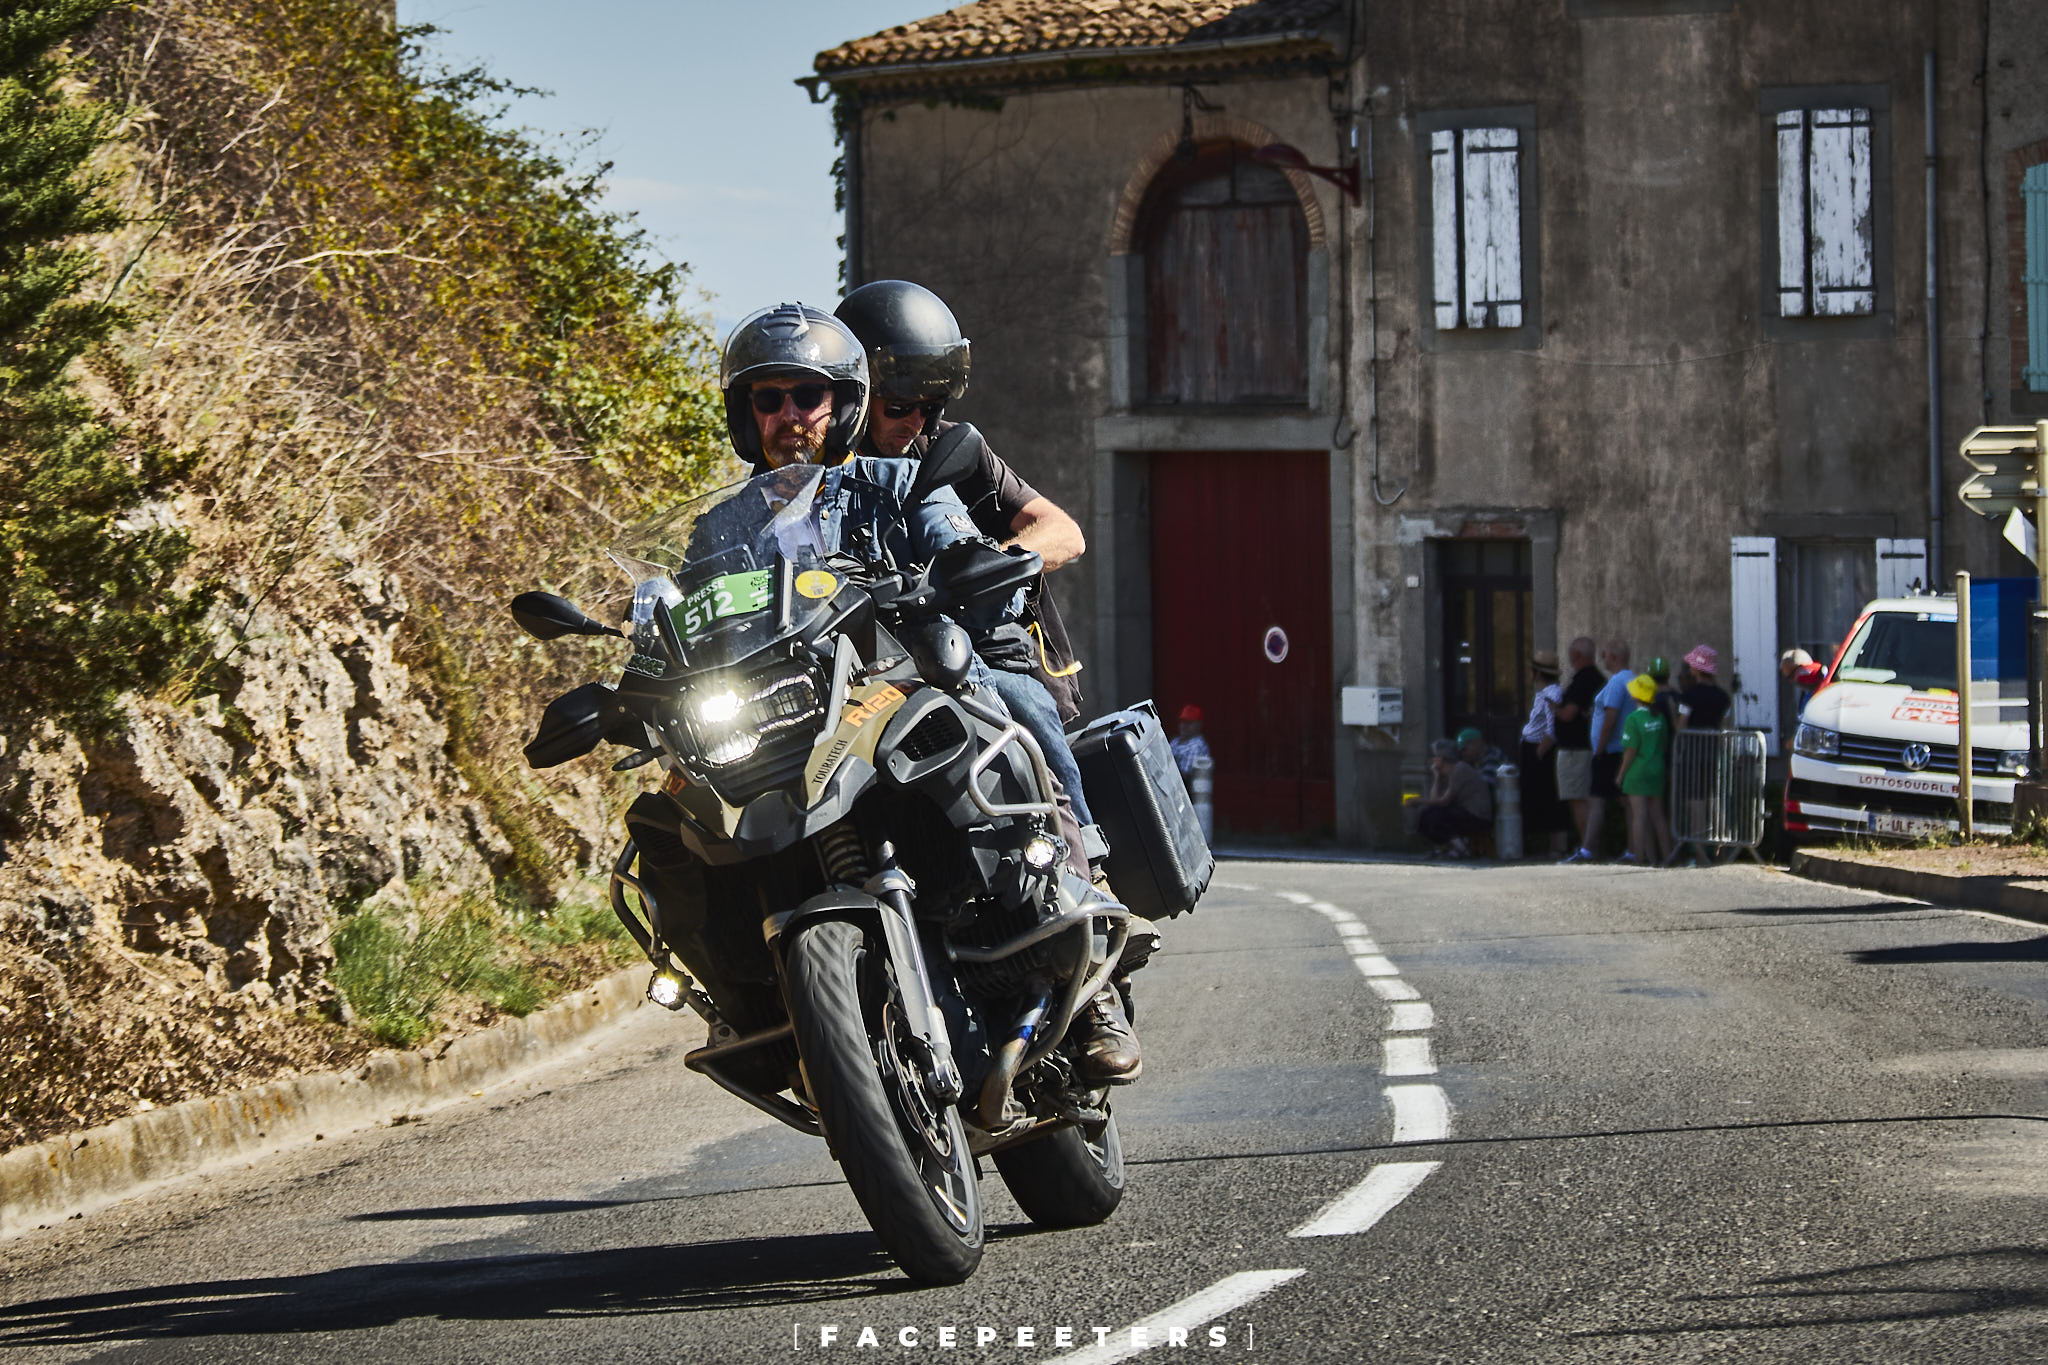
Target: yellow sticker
816 583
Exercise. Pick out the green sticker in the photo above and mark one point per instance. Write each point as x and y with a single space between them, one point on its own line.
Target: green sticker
733 594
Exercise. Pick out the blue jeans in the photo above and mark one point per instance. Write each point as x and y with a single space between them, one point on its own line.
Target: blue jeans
1031 706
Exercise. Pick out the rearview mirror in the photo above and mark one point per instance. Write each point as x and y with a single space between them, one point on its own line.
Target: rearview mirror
545 616
951 458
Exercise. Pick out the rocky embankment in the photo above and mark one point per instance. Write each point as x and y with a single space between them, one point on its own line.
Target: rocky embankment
168 893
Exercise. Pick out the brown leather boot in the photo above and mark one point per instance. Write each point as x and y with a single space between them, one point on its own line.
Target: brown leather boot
1109 1048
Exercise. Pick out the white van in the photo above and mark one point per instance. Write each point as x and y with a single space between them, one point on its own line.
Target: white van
1875 751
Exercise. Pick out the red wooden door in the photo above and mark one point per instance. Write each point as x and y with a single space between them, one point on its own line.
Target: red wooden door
1241 545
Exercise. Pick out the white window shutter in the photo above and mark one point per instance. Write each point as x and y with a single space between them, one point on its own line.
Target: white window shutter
1839 202
1753 610
1792 213
1901 567
1445 229
1493 227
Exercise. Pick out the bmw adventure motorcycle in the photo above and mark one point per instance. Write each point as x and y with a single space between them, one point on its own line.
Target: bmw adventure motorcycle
852 868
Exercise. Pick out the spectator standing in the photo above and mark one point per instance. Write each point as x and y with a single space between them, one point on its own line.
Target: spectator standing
1646 743
1542 814
1797 667
1702 703
1459 804
1610 708
1574 727
1664 700
1188 745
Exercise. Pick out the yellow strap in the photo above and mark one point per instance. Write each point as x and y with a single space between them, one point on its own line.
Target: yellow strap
1045 660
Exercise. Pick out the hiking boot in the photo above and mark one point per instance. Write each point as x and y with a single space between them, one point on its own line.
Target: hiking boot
1108 1047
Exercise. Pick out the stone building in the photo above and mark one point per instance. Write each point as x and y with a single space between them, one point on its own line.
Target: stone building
1377 344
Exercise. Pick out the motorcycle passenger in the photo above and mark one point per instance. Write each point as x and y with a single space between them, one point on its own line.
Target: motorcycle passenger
917 361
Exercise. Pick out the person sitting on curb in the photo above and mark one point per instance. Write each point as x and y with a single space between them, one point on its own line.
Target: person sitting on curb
1473 748
1459 804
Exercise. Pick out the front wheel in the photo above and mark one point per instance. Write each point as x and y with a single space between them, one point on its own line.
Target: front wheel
1070 1178
905 1155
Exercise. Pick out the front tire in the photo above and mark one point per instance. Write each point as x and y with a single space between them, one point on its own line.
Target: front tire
1070 1178
905 1156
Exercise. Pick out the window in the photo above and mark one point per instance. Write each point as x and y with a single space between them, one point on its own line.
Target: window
1476 190
1826 227
1226 283
2034 280
1476 202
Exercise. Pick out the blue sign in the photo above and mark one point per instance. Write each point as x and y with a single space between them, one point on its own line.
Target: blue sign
1998 627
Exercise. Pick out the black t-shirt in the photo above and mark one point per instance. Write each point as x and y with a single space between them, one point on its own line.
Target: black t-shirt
995 494
1585 685
1705 705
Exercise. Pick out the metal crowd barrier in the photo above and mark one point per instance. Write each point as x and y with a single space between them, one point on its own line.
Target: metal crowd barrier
1717 791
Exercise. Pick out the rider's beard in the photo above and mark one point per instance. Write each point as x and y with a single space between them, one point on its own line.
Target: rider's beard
801 444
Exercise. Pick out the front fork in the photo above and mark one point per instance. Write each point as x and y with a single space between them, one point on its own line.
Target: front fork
891 888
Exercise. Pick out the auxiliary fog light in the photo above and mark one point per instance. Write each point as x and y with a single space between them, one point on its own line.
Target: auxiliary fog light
1040 852
719 707
666 990
2017 762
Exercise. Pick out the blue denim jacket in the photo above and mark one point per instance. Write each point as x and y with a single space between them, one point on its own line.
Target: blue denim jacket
863 501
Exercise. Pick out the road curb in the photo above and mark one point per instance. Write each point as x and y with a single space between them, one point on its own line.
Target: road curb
78 1173
2002 895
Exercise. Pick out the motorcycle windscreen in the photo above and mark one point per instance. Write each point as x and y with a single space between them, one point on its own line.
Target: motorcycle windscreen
733 571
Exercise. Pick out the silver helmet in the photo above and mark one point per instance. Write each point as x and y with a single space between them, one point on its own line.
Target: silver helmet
794 339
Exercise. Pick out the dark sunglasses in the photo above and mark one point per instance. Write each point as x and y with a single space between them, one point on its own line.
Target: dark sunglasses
898 411
808 397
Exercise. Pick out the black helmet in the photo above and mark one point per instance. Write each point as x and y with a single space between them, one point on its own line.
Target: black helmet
794 339
915 351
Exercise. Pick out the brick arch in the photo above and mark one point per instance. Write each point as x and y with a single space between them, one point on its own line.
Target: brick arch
1208 128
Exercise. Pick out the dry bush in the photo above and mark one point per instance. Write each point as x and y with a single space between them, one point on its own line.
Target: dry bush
391 330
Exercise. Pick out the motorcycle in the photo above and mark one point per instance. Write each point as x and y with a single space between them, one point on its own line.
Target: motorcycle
852 869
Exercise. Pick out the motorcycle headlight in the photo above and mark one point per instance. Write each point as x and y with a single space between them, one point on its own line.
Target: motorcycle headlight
728 719
2017 762
716 708
1814 742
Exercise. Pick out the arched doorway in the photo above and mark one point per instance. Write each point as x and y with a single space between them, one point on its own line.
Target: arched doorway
1240 561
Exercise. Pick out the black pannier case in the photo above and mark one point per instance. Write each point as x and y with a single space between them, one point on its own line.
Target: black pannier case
1159 863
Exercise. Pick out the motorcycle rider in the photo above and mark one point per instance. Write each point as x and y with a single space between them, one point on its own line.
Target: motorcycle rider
796 391
917 361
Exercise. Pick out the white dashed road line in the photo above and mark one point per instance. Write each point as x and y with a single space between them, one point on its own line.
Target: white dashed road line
1422 1113
1411 1017
1227 1294
1372 1199
1408 1057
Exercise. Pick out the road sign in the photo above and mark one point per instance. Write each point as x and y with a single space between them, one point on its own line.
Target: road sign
2007 461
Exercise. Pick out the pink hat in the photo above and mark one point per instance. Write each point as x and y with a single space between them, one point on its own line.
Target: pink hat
1703 659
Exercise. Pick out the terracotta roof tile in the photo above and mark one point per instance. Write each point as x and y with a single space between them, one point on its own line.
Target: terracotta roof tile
998 28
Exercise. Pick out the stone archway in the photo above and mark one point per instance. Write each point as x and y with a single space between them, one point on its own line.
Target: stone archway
1208 128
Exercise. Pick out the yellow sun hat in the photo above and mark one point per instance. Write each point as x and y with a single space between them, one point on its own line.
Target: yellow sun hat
1643 688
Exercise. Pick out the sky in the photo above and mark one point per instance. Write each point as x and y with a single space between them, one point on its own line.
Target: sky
727 163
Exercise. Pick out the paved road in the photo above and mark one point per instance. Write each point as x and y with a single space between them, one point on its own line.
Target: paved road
1663 1116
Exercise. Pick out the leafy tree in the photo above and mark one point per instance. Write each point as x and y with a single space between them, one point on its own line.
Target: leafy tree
86 607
